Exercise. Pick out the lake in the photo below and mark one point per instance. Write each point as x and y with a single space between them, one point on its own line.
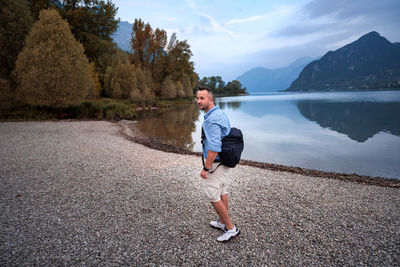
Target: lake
349 132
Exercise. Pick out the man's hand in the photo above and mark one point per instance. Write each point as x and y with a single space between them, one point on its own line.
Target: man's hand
203 174
209 161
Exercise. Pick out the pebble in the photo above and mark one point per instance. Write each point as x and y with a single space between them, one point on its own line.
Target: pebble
78 193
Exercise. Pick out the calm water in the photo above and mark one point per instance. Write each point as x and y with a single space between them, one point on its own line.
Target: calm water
351 132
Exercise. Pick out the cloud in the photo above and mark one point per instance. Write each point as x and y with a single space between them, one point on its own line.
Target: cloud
287 53
345 9
323 25
274 36
277 13
326 15
249 19
302 29
216 27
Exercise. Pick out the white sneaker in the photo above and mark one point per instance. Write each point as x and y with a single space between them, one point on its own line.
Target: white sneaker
218 225
228 235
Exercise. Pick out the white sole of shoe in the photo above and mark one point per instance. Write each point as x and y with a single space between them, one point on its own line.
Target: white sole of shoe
217 228
232 237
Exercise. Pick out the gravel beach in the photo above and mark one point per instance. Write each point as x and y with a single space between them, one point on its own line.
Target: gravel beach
80 193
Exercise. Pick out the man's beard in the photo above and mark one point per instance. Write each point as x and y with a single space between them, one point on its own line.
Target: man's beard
203 107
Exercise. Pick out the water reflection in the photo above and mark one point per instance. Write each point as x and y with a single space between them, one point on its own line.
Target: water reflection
358 120
231 105
172 127
352 132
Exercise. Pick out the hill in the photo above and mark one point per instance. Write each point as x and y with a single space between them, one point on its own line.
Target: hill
261 79
371 62
122 37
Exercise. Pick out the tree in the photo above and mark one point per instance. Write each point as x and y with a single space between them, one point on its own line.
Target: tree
120 80
92 22
235 88
171 71
168 89
140 39
179 90
52 68
15 24
97 86
219 87
147 44
187 86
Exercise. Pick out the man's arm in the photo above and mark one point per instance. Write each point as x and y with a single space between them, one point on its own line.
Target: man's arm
210 160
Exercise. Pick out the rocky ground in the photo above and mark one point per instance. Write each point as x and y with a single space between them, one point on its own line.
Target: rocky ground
82 193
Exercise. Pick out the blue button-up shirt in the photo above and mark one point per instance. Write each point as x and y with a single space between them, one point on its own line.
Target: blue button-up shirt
216 125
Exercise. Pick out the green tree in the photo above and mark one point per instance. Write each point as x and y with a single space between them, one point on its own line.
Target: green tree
52 68
15 24
219 87
92 22
234 88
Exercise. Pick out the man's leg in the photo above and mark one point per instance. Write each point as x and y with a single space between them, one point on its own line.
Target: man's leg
222 212
224 199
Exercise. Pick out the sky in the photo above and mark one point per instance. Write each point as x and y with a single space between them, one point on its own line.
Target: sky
230 37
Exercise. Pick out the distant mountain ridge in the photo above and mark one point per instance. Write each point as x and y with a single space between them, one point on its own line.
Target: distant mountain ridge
371 62
261 79
122 37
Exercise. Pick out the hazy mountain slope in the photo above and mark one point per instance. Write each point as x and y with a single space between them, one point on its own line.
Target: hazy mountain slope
272 80
371 62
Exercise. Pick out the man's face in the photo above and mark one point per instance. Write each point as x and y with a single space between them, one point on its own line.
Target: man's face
203 99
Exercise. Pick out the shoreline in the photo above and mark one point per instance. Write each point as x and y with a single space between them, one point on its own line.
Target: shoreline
135 135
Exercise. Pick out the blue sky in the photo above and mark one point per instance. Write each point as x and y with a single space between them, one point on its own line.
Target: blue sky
228 38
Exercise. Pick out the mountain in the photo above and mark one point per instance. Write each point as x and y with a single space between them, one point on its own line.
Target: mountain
122 37
272 80
371 62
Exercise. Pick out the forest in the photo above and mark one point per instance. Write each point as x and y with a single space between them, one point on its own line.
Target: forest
58 55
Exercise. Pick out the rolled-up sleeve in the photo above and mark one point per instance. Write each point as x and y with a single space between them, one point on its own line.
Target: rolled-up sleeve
216 126
213 136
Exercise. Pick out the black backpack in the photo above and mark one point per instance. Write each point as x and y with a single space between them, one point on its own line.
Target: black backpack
231 149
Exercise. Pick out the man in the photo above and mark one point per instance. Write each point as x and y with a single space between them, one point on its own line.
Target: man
215 126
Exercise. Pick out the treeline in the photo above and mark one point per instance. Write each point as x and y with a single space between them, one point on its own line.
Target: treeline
220 88
58 53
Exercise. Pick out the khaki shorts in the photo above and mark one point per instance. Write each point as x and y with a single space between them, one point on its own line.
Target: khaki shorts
216 183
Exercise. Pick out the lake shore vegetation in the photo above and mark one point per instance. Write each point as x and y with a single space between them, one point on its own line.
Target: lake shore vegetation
59 58
220 88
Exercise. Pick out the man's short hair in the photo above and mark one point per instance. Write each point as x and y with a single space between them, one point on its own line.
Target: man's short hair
202 88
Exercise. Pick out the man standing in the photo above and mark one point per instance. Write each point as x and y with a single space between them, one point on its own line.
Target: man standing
215 126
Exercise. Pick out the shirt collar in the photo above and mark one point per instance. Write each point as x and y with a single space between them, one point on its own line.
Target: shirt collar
209 112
